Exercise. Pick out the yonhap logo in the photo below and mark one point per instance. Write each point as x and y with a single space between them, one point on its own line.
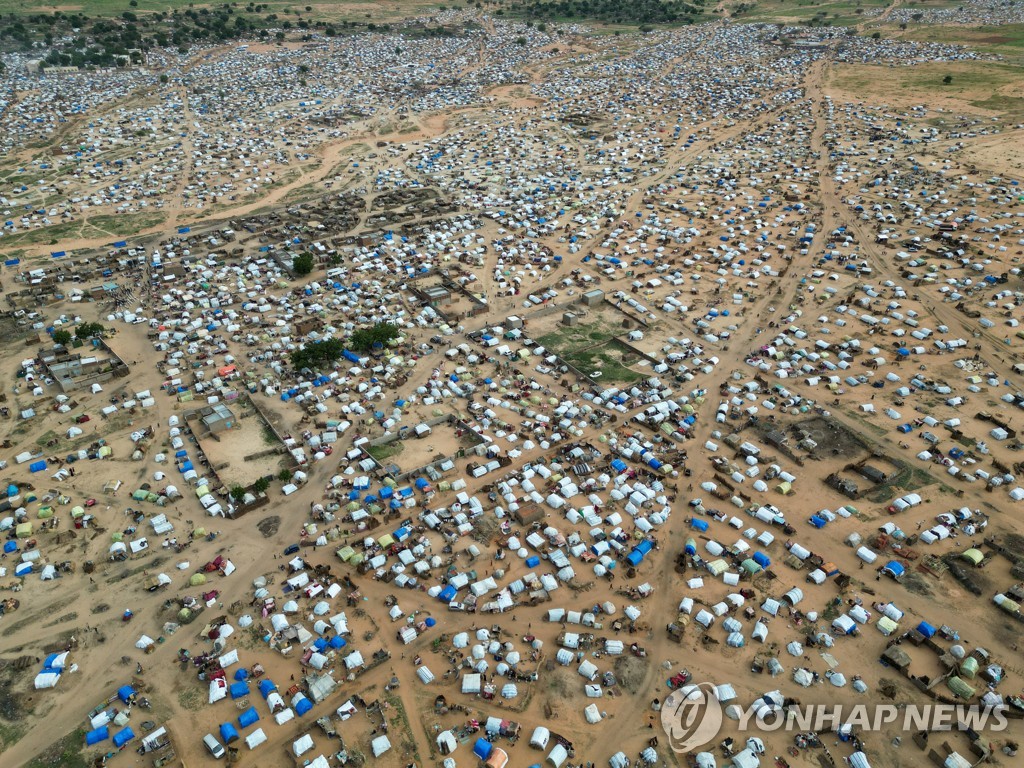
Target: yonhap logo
691 717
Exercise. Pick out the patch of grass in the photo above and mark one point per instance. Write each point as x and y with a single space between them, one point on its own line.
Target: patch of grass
384 452
612 368
126 223
67 753
9 734
191 699
975 84
906 480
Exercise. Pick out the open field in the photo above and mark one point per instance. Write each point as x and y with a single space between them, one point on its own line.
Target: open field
988 87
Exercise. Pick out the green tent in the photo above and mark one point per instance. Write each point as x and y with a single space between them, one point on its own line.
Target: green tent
973 556
960 688
969 667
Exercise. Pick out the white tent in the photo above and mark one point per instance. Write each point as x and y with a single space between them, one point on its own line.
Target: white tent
302 744
218 689
540 737
255 738
380 745
46 680
557 755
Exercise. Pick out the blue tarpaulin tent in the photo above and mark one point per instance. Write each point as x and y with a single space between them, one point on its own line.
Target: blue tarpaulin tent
447 594
239 689
818 522
761 559
125 693
241 673
337 642
699 525
302 706
123 737
894 569
267 687
228 733
37 466
926 629
96 736
248 717
482 748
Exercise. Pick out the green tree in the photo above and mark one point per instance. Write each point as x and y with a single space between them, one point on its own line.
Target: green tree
285 475
947 80
364 339
876 35
88 330
260 486
237 492
318 354
62 337
303 264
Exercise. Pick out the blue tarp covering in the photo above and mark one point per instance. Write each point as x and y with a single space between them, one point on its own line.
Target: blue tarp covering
96 736
482 748
634 558
123 737
239 689
125 692
619 465
248 717
37 466
320 644
926 629
532 561
337 642
241 673
644 547
228 733
303 706
699 525
447 594
895 568
267 687
762 559
818 522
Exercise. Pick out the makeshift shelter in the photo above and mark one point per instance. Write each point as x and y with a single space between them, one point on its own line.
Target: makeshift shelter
123 736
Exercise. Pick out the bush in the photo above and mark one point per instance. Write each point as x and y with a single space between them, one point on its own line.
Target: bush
62 337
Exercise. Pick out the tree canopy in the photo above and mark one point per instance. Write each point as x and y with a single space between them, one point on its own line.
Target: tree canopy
88 330
303 264
364 339
317 355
